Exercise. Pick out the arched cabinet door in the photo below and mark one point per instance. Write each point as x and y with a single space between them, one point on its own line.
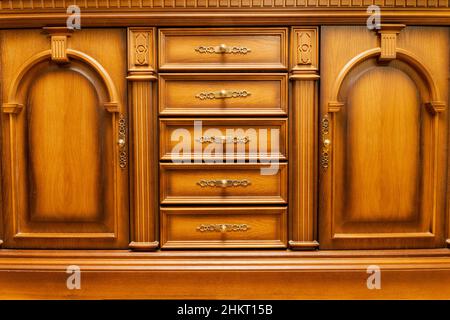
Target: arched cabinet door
383 139
65 176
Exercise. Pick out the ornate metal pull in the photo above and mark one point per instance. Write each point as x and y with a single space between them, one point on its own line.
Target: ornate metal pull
326 142
223 227
223 49
222 94
122 142
223 139
224 183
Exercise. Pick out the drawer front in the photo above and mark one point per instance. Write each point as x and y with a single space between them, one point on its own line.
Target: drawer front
229 227
223 183
223 138
218 49
223 94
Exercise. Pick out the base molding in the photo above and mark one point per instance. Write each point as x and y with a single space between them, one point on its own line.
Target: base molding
405 274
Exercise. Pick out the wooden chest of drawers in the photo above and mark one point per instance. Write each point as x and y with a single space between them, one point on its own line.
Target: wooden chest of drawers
214 140
291 141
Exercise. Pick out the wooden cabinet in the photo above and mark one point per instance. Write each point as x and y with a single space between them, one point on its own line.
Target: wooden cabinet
291 139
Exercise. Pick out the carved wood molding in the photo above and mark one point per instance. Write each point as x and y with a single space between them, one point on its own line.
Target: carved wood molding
252 16
142 50
93 5
60 54
389 51
305 51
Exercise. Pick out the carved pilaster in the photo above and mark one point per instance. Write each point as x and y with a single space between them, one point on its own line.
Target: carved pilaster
144 162
303 137
448 192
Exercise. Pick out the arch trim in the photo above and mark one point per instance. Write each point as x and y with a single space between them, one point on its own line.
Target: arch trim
14 105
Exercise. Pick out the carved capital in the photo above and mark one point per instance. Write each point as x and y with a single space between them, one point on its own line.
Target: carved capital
141 50
388 41
304 50
12 108
335 106
435 106
58 36
112 107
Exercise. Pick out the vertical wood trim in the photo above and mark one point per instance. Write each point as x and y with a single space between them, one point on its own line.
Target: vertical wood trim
303 165
448 170
144 142
303 139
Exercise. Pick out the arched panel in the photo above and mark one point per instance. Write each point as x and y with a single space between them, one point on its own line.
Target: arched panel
65 170
380 172
67 137
382 155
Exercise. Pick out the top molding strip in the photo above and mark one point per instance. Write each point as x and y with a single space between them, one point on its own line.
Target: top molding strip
167 13
145 5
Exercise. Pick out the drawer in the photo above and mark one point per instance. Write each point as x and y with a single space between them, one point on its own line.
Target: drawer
222 183
226 227
223 138
218 49
223 94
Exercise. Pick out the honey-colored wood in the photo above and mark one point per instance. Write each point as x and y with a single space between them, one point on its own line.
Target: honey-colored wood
257 5
114 13
63 182
233 274
384 185
255 48
398 142
184 94
303 139
179 184
223 227
142 83
187 138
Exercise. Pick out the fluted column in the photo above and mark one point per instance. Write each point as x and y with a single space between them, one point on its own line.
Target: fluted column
144 139
303 139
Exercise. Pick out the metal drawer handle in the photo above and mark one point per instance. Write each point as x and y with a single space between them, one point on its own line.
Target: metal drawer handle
223 49
223 183
223 139
222 94
223 227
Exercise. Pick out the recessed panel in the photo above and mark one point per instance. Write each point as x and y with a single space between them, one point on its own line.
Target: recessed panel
65 148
